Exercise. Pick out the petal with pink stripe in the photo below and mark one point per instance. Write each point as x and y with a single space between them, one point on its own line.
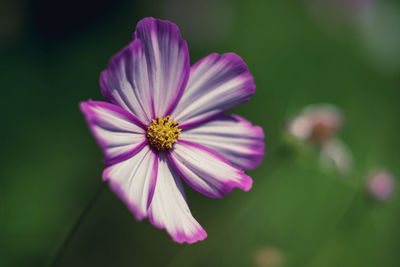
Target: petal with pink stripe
118 132
167 60
235 138
216 83
207 171
126 82
134 180
169 210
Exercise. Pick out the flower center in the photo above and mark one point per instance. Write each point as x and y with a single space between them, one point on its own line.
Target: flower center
321 132
162 133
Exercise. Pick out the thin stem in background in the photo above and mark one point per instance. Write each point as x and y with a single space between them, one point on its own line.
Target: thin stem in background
76 225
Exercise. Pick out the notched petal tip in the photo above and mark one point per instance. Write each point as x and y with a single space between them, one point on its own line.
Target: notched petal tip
105 175
169 210
152 24
179 236
192 238
246 182
84 106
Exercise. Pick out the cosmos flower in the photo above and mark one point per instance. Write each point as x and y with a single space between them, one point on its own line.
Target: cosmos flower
381 184
316 123
164 122
319 124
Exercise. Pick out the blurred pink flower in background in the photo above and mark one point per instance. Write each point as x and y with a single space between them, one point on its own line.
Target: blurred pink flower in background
336 154
316 123
268 257
381 184
319 124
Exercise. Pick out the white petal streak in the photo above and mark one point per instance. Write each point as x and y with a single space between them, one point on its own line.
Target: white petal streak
118 132
207 171
169 210
126 82
167 59
216 83
134 179
235 138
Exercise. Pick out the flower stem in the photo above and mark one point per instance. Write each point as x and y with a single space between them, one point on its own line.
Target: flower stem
76 225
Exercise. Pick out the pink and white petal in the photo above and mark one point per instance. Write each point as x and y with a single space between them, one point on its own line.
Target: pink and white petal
168 62
134 180
118 132
126 82
207 171
235 138
216 83
169 210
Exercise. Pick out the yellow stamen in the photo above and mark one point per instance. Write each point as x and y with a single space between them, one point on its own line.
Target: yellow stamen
162 133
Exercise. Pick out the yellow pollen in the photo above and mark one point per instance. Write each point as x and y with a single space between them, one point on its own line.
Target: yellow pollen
162 133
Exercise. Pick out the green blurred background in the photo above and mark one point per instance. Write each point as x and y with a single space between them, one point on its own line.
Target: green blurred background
297 214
